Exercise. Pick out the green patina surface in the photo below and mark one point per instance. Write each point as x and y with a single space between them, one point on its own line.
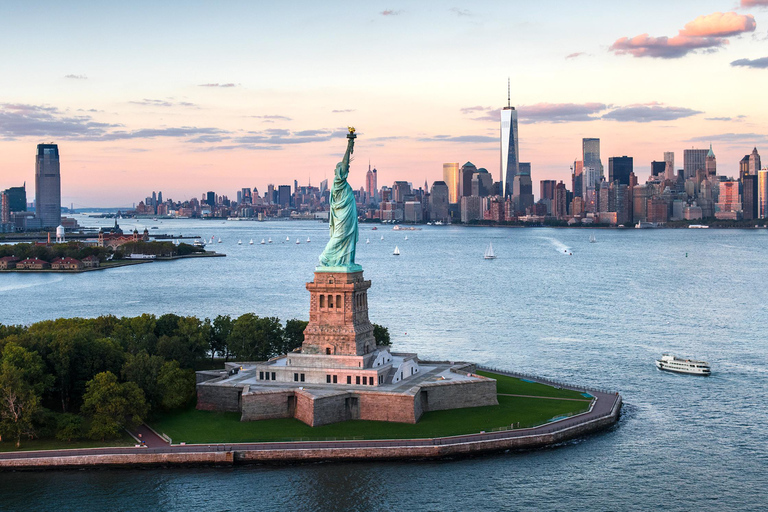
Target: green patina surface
193 426
339 252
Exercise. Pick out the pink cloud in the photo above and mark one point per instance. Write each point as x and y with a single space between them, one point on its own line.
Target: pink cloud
705 32
754 3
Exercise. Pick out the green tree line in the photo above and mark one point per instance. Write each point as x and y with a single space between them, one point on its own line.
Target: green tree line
74 378
79 250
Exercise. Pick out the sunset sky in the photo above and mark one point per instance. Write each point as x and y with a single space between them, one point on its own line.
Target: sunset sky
186 97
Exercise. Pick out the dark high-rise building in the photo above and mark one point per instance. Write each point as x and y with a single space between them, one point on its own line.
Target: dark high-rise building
693 160
559 204
619 169
210 199
523 188
659 169
17 198
482 183
400 189
577 178
465 179
591 156
48 185
438 202
284 195
749 197
547 189
160 197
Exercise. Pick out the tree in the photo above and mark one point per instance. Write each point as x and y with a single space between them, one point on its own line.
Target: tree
254 338
137 333
220 331
69 427
381 334
144 370
293 335
111 406
177 386
22 381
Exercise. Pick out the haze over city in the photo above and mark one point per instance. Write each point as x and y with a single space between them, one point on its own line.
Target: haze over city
197 97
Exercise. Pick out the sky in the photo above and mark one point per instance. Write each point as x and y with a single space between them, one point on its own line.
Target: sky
187 97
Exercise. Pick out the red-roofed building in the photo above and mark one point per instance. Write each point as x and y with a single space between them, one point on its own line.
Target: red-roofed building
91 262
66 264
8 262
33 264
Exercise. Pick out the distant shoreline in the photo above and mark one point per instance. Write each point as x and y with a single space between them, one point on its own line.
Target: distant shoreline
111 264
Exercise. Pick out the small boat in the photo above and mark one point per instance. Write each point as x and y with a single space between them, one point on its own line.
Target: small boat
308 240
270 240
382 237
592 238
251 242
287 239
374 228
671 363
406 237
239 242
262 241
219 240
397 252
297 241
489 255
198 243
367 240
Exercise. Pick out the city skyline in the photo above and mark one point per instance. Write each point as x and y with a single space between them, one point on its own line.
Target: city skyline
237 107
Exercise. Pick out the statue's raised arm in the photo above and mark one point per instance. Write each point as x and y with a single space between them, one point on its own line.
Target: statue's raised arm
339 253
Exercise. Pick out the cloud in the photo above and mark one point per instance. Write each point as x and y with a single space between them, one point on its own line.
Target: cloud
745 4
560 112
736 138
391 12
645 113
76 77
707 33
574 55
218 85
460 138
343 111
19 120
718 119
273 118
761 63
460 12
162 103
151 133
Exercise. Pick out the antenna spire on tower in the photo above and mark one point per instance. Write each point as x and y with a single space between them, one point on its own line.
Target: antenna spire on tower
509 93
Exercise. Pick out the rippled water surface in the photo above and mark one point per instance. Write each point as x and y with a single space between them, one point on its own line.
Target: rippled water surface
598 316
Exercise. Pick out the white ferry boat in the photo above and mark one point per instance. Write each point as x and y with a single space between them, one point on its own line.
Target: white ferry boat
671 363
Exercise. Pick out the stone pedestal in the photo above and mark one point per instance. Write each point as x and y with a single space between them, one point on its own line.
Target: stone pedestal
338 315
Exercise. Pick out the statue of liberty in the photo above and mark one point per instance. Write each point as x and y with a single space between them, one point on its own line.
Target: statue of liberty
339 253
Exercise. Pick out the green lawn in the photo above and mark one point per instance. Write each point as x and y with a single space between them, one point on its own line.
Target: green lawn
193 426
55 444
515 386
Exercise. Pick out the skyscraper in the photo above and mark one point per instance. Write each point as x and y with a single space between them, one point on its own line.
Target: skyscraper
669 158
749 200
762 194
371 186
619 169
451 178
547 189
48 185
659 169
710 164
510 156
754 162
438 201
591 156
465 179
577 178
693 160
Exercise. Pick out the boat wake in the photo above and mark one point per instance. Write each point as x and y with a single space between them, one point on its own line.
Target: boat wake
557 244
21 286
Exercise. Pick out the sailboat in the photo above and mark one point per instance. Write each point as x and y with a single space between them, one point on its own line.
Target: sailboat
406 237
592 238
367 240
397 252
308 240
251 242
219 240
489 255
287 239
270 240
297 241
382 237
239 242
262 241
